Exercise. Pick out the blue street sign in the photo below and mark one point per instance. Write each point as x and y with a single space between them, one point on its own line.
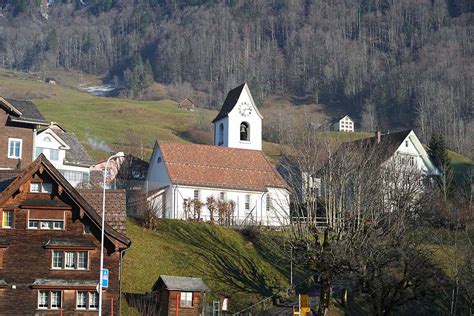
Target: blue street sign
105 278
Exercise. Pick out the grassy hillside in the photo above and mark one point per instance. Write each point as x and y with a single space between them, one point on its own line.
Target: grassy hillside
224 258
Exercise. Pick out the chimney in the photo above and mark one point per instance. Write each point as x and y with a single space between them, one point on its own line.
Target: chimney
378 136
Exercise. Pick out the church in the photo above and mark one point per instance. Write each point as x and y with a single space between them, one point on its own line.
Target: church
230 182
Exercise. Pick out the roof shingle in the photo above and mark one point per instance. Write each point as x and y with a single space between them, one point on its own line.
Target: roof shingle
115 206
29 111
219 167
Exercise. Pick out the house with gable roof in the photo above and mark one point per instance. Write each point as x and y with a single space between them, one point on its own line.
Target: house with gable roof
65 152
399 152
234 170
53 233
342 124
19 122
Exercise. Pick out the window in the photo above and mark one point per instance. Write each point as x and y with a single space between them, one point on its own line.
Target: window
47 187
244 131
50 153
186 299
269 202
87 229
58 225
7 219
14 148
82 260
57 259
222 196
221 134
93 300
158 160
35 187
81 302
43 299
49 299
54 154
33 224
47 139
247 202
55 299
87 300
196 194
70 260
406 143
45 224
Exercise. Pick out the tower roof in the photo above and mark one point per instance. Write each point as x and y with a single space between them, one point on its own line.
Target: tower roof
229 103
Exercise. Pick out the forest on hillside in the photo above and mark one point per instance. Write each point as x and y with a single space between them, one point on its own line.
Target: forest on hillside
391 64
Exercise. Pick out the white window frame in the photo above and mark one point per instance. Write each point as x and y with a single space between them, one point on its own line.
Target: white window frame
61 253
247 202
185 299
39 299
76 260
88 296
86 300
10 141
51 299
34 184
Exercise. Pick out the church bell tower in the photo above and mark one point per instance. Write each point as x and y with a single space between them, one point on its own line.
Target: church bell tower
239 123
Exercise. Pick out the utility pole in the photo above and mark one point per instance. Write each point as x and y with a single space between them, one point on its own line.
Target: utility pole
291 265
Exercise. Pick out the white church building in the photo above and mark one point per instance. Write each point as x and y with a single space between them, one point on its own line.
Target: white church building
188 181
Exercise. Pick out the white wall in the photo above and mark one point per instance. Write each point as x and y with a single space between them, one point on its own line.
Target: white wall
41 141
157 177
257 213
232 126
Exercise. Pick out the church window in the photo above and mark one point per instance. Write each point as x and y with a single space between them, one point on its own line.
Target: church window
244 131
221 134
247 202
269 203
158 160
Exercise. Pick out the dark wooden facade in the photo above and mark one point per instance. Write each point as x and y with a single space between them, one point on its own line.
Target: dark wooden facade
26 252
167 292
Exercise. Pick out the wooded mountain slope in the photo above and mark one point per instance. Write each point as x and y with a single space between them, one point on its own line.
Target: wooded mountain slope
390 64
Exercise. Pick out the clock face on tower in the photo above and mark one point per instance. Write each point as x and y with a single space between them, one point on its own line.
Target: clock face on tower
245 109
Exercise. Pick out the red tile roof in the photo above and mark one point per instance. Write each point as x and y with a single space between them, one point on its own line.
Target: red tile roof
219 167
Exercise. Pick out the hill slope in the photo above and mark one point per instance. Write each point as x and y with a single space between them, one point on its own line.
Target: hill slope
224 258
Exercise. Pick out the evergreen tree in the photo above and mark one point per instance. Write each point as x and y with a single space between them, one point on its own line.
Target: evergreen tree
438 153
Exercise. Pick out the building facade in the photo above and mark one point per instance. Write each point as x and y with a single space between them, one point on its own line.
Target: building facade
53 233
66 153
234 173
343 124
19 122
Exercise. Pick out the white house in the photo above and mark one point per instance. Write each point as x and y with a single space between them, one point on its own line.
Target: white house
235 170
343 124
65 152
400 152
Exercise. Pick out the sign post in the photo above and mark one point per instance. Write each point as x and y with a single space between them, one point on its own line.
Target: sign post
104 279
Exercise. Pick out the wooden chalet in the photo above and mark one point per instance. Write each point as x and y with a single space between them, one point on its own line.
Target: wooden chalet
50 247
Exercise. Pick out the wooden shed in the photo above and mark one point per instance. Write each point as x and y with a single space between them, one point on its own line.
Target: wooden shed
187 104
179 296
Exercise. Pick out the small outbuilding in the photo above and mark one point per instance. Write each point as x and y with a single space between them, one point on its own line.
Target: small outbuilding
183 296
187 104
